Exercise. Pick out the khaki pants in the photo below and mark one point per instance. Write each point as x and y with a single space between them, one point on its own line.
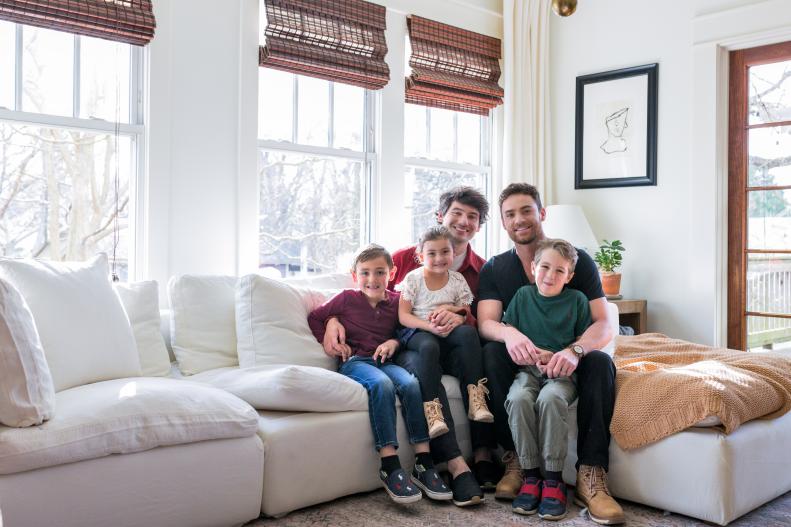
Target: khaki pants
538 417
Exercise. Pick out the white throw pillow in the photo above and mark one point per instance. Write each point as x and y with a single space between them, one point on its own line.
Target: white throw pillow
141 303
27 395
202 324
124 416
272 324
83 328
289 388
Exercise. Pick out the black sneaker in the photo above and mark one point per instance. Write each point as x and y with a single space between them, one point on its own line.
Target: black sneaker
466 490
399 486
428 480
488 474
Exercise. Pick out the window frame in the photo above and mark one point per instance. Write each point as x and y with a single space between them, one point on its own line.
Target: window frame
484 166
367 156
135 130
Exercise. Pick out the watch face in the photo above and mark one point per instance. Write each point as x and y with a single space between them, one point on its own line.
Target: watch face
576 348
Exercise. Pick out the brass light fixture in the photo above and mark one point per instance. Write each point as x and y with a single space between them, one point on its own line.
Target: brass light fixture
564 7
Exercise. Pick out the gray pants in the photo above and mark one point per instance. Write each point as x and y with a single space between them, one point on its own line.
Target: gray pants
538 411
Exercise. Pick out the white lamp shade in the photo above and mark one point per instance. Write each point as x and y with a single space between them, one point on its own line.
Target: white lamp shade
568 222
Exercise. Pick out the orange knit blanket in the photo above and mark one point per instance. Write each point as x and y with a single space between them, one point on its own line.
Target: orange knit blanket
665 385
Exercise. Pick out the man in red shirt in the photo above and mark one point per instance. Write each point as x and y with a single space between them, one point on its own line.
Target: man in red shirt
462 210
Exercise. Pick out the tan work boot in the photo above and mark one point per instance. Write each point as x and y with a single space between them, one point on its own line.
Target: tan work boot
479 411
434 419
509 485
592 492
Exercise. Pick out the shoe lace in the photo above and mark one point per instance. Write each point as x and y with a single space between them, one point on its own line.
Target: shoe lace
434 410
478 395
597 481
511 462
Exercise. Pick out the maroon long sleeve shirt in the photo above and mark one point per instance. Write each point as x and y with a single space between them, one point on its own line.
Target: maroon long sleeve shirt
366 327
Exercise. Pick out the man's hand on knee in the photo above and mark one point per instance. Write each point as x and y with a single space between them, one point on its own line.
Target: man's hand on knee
562 364
520 348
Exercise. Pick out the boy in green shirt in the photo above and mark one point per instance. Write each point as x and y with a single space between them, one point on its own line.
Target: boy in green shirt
537 405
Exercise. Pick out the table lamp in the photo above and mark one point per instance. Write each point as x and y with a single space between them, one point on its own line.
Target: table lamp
569 223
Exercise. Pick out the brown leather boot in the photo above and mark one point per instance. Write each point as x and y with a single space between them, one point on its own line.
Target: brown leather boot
434 418
509 485
479 411
592 492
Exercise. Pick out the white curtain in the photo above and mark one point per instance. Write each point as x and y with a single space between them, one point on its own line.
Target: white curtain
527 134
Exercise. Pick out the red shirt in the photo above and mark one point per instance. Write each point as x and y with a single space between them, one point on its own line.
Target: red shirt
406 260
366 327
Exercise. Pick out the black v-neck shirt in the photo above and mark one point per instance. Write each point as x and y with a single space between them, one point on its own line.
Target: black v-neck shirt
503 275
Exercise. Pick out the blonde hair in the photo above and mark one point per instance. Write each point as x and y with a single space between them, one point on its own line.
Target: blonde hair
563 248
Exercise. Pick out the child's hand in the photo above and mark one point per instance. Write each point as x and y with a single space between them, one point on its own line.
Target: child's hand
544 356
343 351
442 315
335 338
445 329
385 350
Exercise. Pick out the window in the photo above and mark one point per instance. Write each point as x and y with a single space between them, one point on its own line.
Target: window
314 169
443 149
759 187
61 163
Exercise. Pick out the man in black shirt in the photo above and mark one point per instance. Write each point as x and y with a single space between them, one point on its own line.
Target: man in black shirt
508 350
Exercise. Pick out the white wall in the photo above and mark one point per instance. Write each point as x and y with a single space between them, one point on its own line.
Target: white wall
203 71
674 232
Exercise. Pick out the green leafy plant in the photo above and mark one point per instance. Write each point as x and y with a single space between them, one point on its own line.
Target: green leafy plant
609 257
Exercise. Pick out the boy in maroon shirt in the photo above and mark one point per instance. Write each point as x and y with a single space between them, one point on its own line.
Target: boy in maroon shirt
370 315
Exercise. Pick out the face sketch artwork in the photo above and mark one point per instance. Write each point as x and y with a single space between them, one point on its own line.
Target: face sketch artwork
616 124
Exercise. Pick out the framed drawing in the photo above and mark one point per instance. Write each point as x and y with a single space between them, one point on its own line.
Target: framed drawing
616 128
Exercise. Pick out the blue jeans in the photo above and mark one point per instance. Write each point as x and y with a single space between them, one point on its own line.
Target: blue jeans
383 381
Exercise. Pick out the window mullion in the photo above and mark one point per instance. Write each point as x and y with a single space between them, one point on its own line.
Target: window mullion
456 137
295 111
18 85
428 131
76 78
331 116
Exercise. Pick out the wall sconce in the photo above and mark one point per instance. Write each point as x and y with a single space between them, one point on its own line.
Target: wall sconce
564 7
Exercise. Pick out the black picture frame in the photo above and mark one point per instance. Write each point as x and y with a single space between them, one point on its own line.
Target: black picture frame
609 108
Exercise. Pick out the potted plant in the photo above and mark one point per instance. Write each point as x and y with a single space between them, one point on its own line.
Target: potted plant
608 258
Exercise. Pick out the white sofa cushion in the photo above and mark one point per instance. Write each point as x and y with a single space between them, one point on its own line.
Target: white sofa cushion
83 328
123 416
272 324
141 303
289 388
202 331
27 394
331 281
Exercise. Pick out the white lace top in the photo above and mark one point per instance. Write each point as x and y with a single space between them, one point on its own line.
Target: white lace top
424 301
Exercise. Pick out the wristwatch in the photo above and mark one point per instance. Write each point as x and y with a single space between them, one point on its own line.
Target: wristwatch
578 350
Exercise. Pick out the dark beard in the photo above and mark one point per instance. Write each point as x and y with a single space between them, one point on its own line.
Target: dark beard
525 241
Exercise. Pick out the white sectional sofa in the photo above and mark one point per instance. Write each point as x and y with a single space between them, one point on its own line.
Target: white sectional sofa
310 425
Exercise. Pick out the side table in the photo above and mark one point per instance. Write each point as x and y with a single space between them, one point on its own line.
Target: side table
632 313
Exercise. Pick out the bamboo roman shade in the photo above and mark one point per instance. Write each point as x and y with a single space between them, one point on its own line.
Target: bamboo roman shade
452 68
130 21
337 40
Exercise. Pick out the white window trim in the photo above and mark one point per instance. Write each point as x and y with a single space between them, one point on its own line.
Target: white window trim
135 130
367 156
386 197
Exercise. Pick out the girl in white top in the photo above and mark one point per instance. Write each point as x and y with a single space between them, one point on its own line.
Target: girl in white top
435 302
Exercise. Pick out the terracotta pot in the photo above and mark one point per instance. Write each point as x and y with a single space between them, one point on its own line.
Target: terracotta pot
611 283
